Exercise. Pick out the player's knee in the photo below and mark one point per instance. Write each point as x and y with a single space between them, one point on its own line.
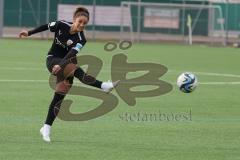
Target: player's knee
69 70
63 87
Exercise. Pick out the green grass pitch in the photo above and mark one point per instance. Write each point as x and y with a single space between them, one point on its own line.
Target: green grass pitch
211 132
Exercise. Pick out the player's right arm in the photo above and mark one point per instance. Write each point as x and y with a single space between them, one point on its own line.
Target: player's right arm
52 26
71 54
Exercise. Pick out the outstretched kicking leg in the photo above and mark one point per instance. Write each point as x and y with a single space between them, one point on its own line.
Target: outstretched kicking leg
89 80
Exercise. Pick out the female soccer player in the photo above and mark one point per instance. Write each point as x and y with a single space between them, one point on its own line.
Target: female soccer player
68 40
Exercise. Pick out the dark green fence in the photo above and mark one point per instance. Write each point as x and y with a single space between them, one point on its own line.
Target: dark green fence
30 13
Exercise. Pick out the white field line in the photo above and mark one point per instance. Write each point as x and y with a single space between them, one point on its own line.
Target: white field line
219 83
211 74
197 73
46 81
23 80
22 68
217 74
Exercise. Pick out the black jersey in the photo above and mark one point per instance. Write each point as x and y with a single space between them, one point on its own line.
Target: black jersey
63 40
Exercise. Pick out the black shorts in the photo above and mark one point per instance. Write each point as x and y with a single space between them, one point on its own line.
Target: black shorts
50 62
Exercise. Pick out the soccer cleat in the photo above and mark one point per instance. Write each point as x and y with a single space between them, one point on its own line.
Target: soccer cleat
109 86
45 134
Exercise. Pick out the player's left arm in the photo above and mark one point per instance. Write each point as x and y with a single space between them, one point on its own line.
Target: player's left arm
52 26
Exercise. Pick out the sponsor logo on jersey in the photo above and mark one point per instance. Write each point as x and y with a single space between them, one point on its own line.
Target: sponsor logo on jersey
57 41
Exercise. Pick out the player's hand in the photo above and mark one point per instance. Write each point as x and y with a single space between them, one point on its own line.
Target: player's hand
56 69
23 34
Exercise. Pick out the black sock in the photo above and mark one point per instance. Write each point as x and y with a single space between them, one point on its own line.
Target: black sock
87 79
54 108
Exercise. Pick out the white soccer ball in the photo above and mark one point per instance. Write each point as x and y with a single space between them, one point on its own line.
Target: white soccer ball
187 82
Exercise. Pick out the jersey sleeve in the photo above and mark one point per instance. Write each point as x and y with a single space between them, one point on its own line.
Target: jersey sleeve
38 29
52 26
80 42
72 53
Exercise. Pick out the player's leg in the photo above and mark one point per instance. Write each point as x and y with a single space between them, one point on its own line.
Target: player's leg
92 81
61 90
71 69
62 87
